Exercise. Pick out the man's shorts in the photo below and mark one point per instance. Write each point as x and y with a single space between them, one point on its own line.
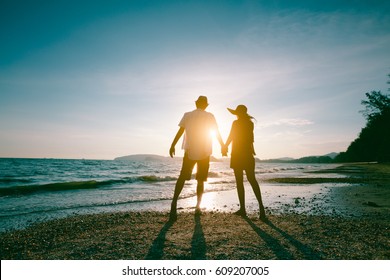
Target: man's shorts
202 168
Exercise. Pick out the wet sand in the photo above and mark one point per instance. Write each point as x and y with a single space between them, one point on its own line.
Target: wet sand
363 191
358 229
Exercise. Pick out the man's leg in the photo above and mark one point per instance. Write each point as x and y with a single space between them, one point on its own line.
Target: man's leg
178 188
201 176
185 174
199 193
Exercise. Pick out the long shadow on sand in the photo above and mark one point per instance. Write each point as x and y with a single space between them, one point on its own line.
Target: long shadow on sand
279 250
198 243
156 251
307 252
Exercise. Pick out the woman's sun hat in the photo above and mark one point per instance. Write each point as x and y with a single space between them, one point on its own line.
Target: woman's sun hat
240 111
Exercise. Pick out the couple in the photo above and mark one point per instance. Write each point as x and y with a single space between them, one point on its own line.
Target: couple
197 144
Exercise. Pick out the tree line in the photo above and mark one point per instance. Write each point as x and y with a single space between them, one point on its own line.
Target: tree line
373 142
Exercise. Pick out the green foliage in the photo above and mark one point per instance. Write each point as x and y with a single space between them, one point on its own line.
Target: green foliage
376 105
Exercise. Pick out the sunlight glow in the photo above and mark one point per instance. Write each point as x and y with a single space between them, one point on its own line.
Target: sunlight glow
209 198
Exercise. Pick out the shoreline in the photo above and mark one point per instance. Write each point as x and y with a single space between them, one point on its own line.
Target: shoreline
362 233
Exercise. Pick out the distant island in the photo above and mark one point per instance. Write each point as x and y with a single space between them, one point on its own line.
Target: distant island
328 158
152 157
142 157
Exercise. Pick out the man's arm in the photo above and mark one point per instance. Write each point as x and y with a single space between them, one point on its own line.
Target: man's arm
220 140
177 137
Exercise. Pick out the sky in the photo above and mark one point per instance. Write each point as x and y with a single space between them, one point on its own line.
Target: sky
103 79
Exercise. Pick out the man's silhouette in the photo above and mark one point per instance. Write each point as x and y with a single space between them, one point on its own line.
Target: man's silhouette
197 127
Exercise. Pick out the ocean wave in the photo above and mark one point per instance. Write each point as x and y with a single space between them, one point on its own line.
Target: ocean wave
154 178
10 180
78 185
214 174
278 169
20 190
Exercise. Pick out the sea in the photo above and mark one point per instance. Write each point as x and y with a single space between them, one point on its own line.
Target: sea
36 190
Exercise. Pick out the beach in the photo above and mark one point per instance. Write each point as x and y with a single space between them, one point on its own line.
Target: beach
135 235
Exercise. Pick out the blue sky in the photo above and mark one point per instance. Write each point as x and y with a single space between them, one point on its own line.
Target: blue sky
101 79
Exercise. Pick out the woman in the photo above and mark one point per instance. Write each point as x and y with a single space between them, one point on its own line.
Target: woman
242 157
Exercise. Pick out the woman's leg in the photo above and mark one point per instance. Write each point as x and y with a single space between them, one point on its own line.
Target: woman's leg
238 173
250 174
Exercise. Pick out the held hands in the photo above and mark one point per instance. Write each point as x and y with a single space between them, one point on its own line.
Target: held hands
224 150
172 151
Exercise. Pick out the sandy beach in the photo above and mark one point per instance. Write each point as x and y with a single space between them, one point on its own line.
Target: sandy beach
363 234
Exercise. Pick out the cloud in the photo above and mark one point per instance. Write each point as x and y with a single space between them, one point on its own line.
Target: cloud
287 122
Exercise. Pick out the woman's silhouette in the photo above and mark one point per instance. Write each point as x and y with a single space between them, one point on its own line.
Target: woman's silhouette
242 157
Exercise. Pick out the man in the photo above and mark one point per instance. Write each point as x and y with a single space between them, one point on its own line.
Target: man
196 126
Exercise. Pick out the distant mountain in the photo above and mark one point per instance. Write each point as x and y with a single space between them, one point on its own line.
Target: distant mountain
143 157
332 155
276 160
313 159
328 158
